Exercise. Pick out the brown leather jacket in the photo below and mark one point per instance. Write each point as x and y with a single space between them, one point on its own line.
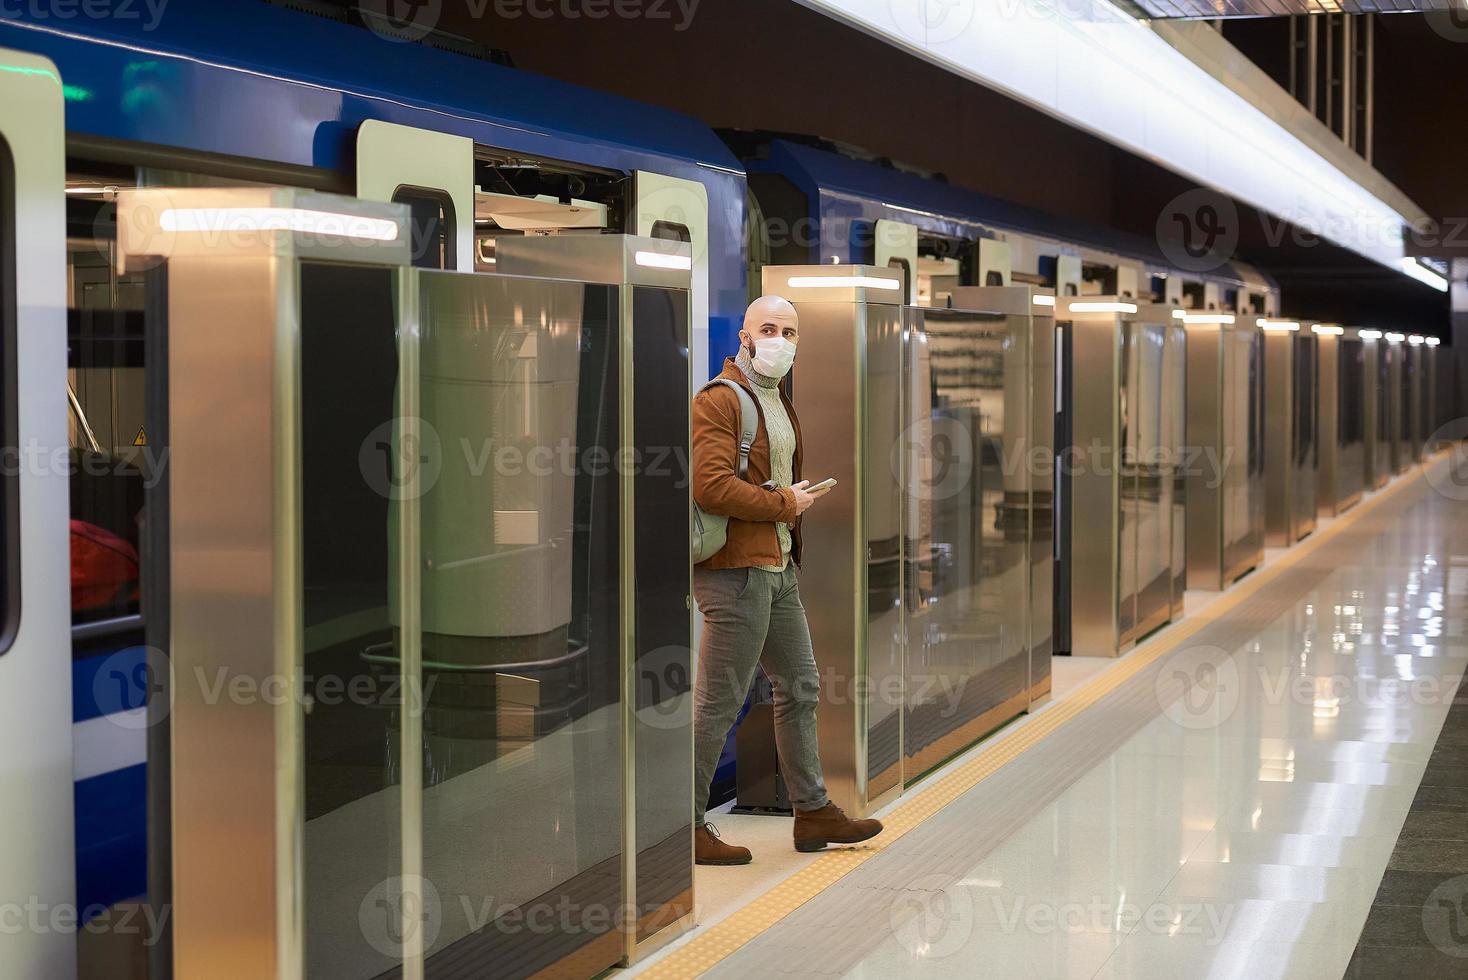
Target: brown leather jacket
752 510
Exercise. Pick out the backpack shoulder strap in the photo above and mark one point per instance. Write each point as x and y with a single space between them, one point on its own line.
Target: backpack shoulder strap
748 421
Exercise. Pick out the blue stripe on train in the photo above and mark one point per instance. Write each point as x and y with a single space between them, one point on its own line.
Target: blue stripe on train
111 838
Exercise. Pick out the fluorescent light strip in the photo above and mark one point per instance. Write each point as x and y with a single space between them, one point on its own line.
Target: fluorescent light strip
1395 338
1328 329
1122 80
1278 324
1103 307
1044 300
1434 341
1203 318
1423 274
302 220
662 260
1415 340
839 282
1368 334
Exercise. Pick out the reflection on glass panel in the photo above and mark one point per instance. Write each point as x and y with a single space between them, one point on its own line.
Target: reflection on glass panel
1350 418
1146 494
522 729
663 733
1038 462
1305 431
967 662
352 784
884 512
1175 409
1129 507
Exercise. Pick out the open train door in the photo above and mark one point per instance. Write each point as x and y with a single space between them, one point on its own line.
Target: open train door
37 886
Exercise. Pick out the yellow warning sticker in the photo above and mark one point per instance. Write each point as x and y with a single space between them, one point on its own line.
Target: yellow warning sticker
141 439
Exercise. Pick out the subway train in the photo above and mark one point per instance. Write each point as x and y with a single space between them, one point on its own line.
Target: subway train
143 411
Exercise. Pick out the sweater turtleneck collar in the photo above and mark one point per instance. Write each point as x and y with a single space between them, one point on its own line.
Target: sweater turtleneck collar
745 363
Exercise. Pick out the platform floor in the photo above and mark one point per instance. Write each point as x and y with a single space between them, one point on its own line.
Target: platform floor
1233 798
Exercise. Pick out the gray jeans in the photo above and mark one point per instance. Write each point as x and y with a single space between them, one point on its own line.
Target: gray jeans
752 616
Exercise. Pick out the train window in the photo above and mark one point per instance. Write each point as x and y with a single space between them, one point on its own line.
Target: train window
1193 295
109 444
9 382
433 226
671 231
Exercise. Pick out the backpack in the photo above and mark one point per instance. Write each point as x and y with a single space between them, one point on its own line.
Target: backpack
711 531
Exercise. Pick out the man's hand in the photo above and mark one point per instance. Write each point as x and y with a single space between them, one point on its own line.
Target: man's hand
803 500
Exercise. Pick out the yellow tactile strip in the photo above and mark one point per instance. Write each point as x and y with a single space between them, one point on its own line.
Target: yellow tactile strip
705 950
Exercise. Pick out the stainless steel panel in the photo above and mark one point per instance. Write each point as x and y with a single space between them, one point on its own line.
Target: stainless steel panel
236 604
847 539
1096 533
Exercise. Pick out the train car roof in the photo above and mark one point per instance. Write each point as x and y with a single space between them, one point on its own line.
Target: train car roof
837 172
270 42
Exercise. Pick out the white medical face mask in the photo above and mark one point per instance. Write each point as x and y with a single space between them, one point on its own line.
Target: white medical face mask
773 356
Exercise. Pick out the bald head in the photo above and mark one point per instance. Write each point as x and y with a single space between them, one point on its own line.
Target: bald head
770 316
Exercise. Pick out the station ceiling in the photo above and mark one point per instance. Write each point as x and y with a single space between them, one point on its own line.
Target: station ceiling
1216 9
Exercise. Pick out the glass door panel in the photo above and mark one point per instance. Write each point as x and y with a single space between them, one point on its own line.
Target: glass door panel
967 669
664 700
884 519
352 855
522 727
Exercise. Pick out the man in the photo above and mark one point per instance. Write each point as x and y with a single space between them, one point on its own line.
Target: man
748 592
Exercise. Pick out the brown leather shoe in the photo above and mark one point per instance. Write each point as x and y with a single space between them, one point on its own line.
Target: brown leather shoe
708 848
814 829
